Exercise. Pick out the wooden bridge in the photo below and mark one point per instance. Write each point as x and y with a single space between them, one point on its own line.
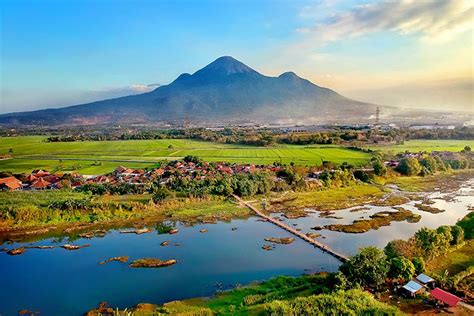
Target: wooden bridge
299 234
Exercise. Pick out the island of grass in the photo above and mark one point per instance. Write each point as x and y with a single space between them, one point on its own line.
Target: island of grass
376 221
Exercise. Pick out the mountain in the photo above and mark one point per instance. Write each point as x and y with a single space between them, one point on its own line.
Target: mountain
225 90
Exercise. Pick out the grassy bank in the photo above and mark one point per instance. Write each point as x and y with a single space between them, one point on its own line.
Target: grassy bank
27 213
446 181
453 262
304 295
330 199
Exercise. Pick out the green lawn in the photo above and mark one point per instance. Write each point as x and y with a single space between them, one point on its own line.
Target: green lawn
426 145
94 157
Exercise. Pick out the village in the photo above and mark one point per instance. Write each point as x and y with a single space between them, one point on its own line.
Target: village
425 286
193 168
44 180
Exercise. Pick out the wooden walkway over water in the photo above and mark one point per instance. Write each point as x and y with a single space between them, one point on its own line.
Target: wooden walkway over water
299 234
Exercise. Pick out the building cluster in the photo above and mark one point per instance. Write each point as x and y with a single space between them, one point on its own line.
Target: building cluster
40 180
424 284
43 180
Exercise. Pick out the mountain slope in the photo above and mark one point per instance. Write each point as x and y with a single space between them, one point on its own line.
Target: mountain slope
225 90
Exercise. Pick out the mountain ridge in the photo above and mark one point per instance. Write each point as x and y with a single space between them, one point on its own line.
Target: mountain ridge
226 89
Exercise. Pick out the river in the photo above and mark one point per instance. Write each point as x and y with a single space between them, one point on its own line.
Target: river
60 282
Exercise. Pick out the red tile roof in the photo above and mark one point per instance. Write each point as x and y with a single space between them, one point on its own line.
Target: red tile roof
445 297
11 183
40 184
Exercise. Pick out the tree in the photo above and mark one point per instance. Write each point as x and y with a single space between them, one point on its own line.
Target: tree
419 265
379 168
401 268
160 193
368 268
445 238
400 247
361 175
467 149
432 242
193 159
467 224
409 166
341 282
429 164
457 234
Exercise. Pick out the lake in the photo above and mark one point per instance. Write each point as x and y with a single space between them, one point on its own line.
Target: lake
60 282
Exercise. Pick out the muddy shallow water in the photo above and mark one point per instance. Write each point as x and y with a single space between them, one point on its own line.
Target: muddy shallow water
61 282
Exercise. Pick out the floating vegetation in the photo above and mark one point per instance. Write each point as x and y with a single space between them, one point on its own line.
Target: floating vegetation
16 251
96 233
204 230
119 259
376 221
360 209
294 214
268 247
283 241
313 235
152 263
163 228
74 247
427 208
137 231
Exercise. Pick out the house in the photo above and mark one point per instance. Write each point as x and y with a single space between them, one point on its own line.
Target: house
426 280
10 184
31 178
120 169
411 289
40 184
40 173
445 297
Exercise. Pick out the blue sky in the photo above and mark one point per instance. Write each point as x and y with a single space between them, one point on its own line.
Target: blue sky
66 52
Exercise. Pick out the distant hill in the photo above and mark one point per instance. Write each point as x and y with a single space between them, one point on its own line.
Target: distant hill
225 90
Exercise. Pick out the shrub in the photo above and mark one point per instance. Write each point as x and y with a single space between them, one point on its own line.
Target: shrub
368 268
401 268
409 166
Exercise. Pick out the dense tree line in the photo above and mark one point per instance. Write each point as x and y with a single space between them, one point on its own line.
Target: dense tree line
428 164
401 259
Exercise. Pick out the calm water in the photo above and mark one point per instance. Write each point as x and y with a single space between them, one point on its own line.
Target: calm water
61 282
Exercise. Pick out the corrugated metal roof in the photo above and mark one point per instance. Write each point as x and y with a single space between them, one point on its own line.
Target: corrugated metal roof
423 278
412 286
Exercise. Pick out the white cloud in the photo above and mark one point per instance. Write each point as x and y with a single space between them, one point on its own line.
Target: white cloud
433 20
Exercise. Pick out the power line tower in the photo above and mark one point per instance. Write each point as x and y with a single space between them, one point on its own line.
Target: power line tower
377 116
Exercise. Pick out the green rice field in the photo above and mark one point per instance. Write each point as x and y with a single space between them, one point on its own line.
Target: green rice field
94 157
427 145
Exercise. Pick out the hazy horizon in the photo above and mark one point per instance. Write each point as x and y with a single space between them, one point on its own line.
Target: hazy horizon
405 53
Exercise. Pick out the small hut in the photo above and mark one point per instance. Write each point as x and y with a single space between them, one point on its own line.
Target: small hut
426 280
445 297
411 289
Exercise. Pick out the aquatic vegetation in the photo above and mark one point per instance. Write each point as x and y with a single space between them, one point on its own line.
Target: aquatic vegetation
119 259
376 221
283 241
152 263
74 247
427 208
